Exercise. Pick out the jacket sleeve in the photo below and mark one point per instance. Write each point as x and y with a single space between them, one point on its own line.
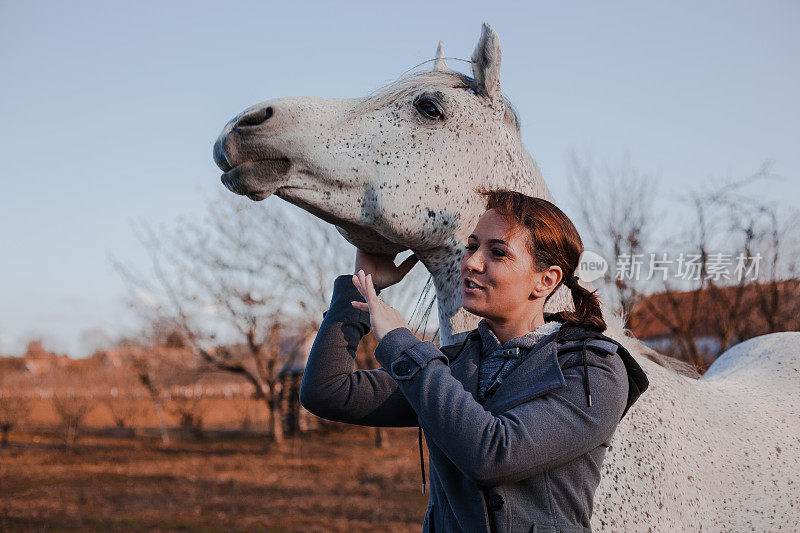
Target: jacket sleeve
532 437
331 388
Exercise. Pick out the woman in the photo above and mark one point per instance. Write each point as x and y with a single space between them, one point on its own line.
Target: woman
516 438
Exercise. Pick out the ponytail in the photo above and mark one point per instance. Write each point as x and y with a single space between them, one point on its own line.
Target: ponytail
588 313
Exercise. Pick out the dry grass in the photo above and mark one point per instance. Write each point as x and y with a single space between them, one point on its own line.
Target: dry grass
330 480
218 413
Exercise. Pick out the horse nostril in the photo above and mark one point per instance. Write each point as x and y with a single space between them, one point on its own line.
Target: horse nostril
255 117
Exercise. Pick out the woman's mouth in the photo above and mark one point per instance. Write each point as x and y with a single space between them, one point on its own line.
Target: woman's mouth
470 287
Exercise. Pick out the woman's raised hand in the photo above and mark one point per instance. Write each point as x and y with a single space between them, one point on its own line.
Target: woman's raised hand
382 267
383 317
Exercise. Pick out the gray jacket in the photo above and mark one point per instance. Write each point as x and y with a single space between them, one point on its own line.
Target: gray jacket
528 459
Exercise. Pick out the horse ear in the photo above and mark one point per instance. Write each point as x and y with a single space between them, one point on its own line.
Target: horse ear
440 63
486 63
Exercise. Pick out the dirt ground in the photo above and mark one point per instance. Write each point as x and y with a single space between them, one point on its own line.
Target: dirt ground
333 479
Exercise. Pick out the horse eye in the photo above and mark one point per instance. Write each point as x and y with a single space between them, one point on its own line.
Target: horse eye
429 109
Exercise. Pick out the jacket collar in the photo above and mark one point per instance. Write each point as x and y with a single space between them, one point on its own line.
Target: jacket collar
540 372
536 375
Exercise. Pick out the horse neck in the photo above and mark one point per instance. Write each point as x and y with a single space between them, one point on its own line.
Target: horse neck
454 321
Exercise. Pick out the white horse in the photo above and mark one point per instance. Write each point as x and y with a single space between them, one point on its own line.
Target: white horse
396 170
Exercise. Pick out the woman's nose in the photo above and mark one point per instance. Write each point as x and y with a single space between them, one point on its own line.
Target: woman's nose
473 263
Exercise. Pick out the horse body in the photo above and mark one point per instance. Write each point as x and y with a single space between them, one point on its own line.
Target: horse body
721 452
396 170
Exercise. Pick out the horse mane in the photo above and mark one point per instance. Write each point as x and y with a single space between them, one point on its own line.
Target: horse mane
405 85
615 322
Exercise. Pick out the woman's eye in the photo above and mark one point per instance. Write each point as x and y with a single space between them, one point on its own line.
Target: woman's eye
495 251
429 109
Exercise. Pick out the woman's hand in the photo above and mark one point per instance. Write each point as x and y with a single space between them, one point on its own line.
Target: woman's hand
382 267
382 316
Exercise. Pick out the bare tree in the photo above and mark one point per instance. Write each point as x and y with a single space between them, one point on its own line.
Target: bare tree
14 409
72 409
617 218
246 273
733 229
726 224
187 405
155 359
145 376
245 411
125 409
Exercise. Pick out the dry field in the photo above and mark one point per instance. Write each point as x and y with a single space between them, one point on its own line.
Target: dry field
332 479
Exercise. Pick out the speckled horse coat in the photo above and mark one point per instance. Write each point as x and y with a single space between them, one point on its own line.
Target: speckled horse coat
396 171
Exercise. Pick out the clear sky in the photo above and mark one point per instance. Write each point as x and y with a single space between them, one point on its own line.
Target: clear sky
108 110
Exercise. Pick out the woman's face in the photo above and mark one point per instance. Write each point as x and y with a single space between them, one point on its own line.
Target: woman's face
498 261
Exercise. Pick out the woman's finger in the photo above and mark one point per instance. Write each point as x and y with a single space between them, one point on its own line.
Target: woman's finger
365 290
361 306
357 283
361 287
371 288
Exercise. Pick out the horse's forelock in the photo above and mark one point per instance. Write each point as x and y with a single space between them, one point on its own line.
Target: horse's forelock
388 94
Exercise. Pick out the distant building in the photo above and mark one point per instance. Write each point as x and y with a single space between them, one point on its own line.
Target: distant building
39 361
295 350
712 309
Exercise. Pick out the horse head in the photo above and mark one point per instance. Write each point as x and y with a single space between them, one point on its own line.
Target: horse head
394 170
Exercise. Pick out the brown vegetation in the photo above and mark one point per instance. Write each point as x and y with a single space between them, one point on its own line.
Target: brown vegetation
118 474
14 410
71 409
335 480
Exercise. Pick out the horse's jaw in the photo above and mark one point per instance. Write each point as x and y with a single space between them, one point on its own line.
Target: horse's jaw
361 236
443 262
